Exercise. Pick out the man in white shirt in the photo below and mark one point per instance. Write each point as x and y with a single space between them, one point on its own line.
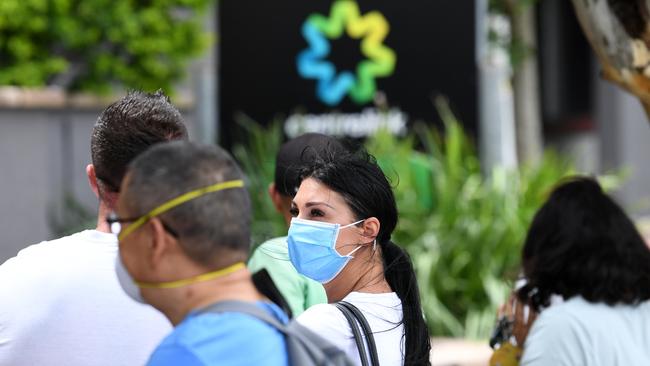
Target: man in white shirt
60 301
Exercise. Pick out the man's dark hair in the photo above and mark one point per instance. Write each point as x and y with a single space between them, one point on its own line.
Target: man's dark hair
581 243
128 127
207 226
298 151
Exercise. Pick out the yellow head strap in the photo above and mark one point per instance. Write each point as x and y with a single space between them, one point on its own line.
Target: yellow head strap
178 201
200 278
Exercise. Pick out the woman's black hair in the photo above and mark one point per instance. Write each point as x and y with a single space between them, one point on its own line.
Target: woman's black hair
364 187
581 243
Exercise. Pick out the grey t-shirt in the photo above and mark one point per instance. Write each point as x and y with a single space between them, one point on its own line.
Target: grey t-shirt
578 332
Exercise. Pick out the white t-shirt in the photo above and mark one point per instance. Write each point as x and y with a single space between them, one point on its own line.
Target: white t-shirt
577 332
384 315
61 304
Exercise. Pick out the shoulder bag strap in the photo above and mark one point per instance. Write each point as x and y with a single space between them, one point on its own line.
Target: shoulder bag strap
370 339
358 339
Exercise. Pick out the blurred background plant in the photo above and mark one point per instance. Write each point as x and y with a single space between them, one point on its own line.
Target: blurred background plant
464 229
71 218
257 158
94 45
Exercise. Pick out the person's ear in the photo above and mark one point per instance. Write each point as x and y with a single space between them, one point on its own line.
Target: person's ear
276 198
92 179
370 227
160 242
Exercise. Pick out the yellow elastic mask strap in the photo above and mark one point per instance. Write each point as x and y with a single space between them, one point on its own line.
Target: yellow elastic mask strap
200 278
178 201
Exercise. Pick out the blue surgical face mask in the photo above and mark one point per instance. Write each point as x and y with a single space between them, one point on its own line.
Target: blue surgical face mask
312 249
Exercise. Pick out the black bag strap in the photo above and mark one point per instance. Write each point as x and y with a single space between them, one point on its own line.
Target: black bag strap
370 339
264 284
361 347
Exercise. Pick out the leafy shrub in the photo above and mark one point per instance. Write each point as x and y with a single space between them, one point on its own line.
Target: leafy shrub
257 158
95 44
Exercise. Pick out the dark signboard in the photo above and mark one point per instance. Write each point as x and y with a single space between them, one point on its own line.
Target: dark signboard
345 66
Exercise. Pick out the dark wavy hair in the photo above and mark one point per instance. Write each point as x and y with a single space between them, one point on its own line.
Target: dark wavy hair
364 187
127 128
581 243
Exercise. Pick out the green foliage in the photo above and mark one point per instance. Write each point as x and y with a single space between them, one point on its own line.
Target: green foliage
517 48
257 159
93 45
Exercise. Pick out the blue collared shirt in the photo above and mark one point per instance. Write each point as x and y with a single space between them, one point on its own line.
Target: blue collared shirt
229 339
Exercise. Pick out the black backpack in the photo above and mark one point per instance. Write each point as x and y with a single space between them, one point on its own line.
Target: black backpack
304 347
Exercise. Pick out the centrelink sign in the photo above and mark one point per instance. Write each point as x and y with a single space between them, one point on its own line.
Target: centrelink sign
345 67
370 30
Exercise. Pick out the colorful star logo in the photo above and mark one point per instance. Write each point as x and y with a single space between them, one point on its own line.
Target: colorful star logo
371 28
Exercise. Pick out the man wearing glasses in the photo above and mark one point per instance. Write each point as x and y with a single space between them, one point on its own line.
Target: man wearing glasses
61 302
183 225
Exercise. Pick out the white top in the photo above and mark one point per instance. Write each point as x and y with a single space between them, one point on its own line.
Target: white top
577 332
61 304
384 315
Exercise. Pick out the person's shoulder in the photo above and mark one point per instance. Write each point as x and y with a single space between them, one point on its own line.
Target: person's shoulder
218 335
273 252
273 247
172 355
63 263
574 312
38 251
325 319
564 316
321 310
592 322
82 238
48 252
559 335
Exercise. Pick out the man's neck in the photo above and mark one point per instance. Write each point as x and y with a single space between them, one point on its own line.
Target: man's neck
237 286
102 214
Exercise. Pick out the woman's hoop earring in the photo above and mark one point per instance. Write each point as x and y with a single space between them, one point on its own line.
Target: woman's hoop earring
374 244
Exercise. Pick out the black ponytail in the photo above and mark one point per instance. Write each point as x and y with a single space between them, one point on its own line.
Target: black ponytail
400 275
364 187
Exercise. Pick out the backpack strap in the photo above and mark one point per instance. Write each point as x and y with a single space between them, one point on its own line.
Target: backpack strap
233 306
361 347
370 339
307 345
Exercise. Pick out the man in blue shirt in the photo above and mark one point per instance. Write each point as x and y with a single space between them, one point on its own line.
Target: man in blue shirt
182 220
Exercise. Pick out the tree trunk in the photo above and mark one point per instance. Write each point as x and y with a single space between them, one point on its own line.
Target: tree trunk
618 31
526 86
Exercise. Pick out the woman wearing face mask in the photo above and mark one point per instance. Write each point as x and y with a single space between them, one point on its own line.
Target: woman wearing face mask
344 214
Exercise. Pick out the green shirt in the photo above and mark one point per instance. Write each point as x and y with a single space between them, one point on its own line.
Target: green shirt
299 291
